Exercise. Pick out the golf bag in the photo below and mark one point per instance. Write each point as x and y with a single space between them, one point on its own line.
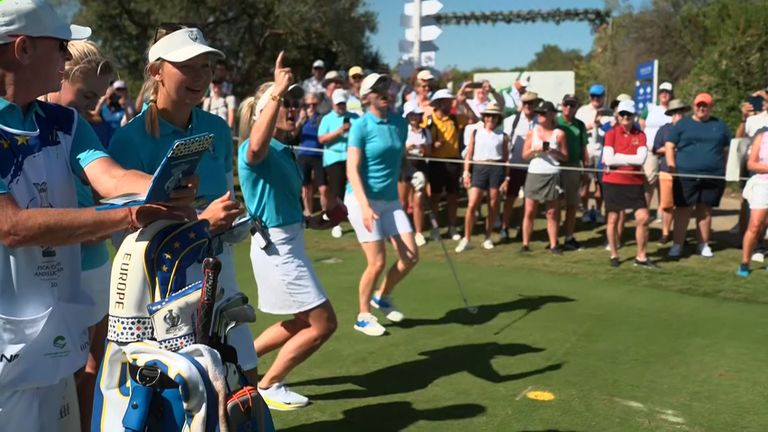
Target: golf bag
156 374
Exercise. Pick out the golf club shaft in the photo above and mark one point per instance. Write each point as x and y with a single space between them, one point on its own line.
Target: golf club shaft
435 226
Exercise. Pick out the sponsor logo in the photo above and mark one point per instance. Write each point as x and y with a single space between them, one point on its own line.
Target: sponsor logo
8 358
59 342
172 319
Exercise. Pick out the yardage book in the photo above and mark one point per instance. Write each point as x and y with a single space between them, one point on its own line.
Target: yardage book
182 160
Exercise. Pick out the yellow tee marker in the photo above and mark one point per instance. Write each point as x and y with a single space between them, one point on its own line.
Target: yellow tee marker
540 395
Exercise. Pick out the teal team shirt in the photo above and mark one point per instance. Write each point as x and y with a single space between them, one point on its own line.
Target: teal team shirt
133 148
86 148
382 143
272 187
336 150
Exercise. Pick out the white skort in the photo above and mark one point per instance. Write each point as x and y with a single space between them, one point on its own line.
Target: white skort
392 219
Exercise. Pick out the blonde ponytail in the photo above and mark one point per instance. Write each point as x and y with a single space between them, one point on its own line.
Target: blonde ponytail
152 86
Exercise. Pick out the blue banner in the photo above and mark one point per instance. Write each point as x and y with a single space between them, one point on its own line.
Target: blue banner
645 74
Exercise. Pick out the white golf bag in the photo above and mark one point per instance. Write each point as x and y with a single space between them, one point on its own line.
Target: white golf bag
155 376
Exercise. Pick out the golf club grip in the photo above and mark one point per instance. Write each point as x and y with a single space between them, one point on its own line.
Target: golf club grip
211 270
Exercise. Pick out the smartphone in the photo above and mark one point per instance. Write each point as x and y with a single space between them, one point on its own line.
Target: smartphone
756 102
346 120
545 145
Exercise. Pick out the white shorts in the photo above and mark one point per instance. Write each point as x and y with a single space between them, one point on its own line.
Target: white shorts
392 219
96 283
241 336
756 192
286 281
52 408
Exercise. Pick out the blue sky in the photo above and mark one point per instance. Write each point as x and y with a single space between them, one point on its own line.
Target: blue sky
503 45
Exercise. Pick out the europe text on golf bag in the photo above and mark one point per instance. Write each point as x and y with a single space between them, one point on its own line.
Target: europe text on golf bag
156 375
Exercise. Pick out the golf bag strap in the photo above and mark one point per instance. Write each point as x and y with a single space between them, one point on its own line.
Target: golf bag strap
139 404
150 376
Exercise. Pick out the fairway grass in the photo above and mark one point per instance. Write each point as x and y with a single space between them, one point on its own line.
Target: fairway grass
627 349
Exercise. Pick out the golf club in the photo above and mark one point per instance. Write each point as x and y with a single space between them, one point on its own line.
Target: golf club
235 316
433 221
211 270
232 301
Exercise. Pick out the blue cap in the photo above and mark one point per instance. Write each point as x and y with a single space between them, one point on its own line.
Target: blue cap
597 90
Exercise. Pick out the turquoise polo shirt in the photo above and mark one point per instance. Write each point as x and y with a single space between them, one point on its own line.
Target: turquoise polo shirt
382 142
272 187
336 150
86 148
134 148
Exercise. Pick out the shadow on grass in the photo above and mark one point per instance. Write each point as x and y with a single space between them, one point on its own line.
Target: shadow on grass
547 430
486 313
389 416
419 374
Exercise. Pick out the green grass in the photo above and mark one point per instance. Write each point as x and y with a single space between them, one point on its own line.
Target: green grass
679 349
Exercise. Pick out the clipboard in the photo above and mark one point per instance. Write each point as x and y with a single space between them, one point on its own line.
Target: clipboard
181 161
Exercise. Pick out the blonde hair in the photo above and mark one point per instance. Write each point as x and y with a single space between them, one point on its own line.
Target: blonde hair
246 111
152 88
86 60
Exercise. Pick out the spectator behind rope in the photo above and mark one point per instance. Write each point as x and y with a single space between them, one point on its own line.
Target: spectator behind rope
310 155
545 147
697 145
286 281
486 144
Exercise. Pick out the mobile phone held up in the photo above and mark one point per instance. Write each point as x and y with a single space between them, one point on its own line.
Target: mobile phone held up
545 146
346 120
756 102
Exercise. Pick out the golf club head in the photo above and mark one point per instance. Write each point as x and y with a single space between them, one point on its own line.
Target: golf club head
241 314
232 301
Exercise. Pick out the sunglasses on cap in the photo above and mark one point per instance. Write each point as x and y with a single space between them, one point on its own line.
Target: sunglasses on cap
626 114
166 28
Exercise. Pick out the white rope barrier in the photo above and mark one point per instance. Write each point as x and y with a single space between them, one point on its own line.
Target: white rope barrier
520 166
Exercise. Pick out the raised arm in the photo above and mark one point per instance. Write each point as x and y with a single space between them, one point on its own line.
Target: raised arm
264 126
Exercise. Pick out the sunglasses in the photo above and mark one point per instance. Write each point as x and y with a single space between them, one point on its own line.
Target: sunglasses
166 28
570 104
595 96
291 103
702 105
313 105
626 114
357 77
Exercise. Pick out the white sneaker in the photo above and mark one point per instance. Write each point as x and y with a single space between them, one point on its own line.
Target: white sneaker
455 236
336 232
386 306
280 398
420 240
488 244
675 251
758 256
462 246
435 234
369 325
706 251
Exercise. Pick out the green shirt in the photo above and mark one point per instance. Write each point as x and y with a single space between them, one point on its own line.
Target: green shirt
576 136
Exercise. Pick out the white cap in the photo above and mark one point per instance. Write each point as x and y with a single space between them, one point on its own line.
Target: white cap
182 45
525 79
370 82
36 18
119 84
623 97
626 106
665 86
339 96
411 107
331 76
441 94
425 75
318 64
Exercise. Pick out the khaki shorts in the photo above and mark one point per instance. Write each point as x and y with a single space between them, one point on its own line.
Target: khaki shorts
651 169
666 200
570 182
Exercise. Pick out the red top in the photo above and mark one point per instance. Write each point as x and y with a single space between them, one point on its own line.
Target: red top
626 143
